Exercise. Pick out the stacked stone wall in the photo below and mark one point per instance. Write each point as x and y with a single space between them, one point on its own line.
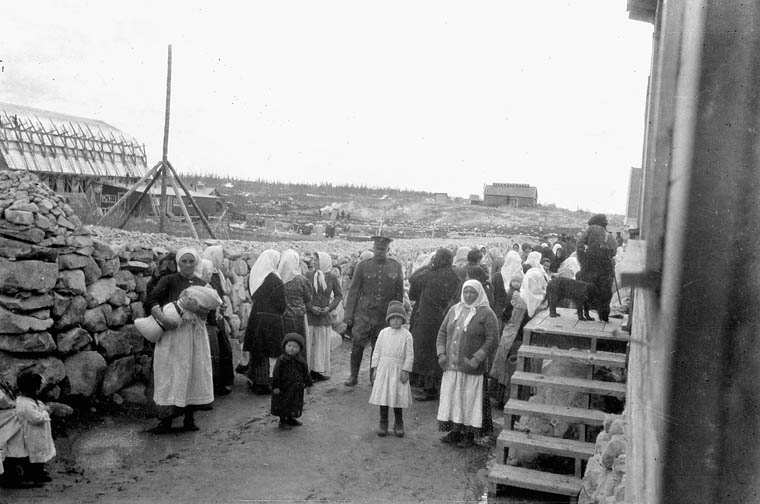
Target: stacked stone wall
604 481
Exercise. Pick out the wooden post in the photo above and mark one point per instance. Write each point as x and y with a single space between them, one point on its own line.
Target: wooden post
161 222
111 211
139 200
178 196
204 220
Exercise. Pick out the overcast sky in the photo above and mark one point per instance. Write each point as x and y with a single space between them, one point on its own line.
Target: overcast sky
433 95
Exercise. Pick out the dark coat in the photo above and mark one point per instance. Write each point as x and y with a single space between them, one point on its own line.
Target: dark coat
291 377
168 288
375 284
322 299
500 299
433 291
264 332
478 341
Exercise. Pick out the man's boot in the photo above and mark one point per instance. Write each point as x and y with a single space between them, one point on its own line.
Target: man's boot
356 362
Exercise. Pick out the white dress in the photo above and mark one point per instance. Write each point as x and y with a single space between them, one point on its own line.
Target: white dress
394 352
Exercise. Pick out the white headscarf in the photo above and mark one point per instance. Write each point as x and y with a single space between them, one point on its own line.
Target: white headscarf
264 265
367 254
204 269
512 266
555 247
469 310
184 251
290 265
569 267
533 289
215 254
325 266
460 258
422 261
534 259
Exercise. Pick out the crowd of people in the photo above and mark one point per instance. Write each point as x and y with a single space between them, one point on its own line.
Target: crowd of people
447 328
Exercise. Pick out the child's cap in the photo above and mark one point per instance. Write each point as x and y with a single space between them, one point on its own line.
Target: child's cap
293 337
396 309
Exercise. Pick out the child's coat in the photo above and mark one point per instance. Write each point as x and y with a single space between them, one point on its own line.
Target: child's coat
35 428
394 352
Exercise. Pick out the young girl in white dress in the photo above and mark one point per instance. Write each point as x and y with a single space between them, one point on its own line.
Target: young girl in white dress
390 366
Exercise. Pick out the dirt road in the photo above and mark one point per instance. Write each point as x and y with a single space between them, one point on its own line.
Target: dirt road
240 455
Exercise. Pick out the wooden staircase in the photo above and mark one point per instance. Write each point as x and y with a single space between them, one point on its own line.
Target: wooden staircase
593 344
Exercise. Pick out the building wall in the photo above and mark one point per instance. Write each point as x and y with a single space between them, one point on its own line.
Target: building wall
498 201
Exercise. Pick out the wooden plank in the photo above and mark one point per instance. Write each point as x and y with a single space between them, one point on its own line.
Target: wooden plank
521 477
567 383
549 411
609 359
567 324
545 444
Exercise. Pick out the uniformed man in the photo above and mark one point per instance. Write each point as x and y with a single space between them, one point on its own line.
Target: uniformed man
376 282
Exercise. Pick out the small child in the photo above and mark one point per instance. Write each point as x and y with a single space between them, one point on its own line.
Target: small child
290 378
390 367
35 426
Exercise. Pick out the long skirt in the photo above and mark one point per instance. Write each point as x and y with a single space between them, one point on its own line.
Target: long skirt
464 405
318 349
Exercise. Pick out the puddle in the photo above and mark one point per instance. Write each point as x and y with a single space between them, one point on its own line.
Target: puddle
105 449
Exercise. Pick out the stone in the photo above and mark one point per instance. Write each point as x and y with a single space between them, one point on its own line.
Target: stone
137 310
113 344
40 314
68 311
92 272
102 250
137 266
125 280
43 222
119 316
145 256
85 371
73 340
85 251
144 367
67 210
24 206
141 284
117 399
100 291
14 323
72 261
134 394
26 302
64 222
616 447
79 241
132 336
76 221
118 375
239 267
22 233
32 276
119 298
133 296
19 216
36 342
71 281
108 267
95 320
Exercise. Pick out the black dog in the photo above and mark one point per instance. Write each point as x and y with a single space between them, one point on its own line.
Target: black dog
566 288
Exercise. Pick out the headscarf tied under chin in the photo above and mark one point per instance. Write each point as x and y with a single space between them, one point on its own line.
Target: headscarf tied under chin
290 265
325 266
460 258
533 289
183 252
468 310
534 259
264 265
512 266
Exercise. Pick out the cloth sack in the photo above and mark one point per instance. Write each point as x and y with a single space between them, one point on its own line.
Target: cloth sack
149 327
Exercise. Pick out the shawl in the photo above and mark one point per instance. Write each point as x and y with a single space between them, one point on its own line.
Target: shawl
442 258
264 265
204 270
367 254
534 259
290 266
460 258
215 254
512 265
469 310
325 266
422 261
533 289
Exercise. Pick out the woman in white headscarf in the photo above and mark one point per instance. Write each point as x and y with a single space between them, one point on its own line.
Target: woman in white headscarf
466 340
297 295
264 332
182 376
326 295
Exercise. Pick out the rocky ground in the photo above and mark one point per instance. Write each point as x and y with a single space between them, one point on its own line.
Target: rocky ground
240 455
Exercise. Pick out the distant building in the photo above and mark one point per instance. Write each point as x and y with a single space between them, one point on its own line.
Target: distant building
635 181
475 199
510 195
441 197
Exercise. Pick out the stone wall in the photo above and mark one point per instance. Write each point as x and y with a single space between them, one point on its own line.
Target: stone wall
604 481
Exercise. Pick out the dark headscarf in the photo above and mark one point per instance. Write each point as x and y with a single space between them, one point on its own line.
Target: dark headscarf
443 258
598 220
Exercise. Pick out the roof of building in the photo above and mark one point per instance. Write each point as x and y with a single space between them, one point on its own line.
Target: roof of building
514 190
155 190
44 141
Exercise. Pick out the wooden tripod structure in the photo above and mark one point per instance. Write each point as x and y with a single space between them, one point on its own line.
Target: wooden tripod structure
167 173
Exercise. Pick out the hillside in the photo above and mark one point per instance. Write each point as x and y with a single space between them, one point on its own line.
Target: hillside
360 210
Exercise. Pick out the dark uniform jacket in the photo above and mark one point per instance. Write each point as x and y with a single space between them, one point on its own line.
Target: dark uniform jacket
375 284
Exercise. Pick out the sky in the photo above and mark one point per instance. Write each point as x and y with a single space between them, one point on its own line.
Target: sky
433 95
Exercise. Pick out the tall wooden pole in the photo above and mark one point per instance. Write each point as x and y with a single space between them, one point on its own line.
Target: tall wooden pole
165 158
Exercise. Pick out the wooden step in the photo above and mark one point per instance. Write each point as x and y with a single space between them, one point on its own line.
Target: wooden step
567 324
564 382
521 477
544 444
564 413
608 359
